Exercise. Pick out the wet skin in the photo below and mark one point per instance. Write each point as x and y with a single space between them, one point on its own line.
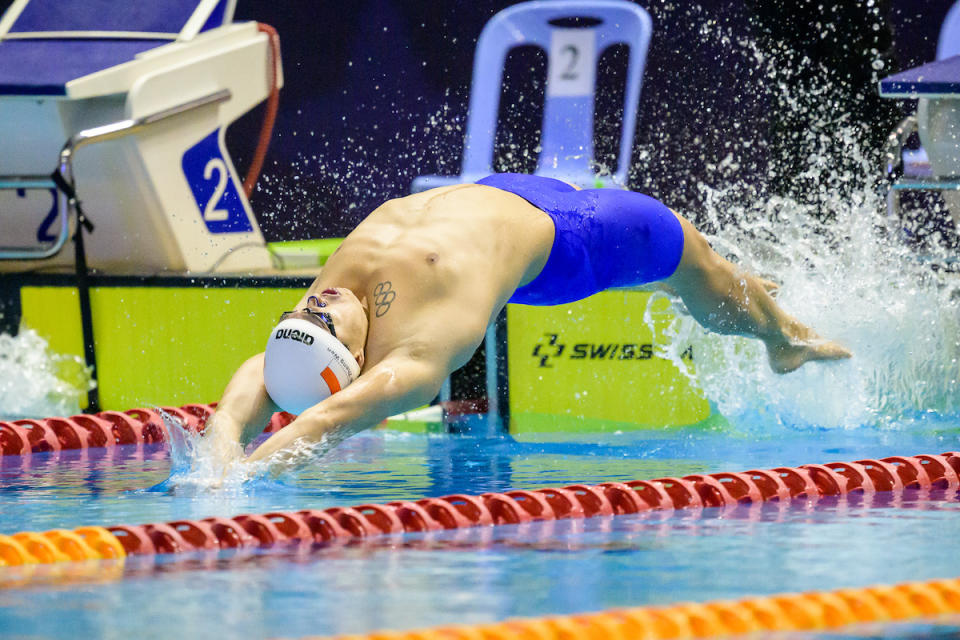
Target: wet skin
412 289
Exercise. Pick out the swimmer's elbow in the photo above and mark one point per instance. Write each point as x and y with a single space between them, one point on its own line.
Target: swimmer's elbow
429 391
416 392
413 385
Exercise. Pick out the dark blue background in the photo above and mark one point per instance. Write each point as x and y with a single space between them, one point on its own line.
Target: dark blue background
365 78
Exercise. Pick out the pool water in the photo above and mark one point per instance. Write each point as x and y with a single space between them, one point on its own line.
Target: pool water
472 575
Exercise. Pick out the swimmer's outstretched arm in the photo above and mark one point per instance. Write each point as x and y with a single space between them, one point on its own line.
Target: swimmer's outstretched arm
391 386
243 411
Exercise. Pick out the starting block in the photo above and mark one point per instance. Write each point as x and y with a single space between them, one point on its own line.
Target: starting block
936 87
131 100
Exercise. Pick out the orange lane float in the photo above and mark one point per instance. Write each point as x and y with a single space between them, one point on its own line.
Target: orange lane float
812 481
812 611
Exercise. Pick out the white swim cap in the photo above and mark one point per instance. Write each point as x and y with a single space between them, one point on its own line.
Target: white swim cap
303 364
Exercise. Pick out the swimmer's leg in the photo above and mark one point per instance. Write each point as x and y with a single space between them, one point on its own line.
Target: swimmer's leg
726 299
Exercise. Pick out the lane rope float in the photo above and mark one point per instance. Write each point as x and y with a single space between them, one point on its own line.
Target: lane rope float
811 481
108 429
812 611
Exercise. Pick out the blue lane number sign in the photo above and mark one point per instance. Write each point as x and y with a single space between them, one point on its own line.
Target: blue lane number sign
216 194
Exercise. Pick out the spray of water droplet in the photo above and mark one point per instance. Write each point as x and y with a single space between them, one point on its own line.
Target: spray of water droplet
35 381
199 463
843 270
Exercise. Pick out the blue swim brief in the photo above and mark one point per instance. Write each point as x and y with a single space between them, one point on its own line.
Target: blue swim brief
604 238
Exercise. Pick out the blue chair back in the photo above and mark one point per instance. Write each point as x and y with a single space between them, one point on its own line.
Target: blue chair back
573 33
949 43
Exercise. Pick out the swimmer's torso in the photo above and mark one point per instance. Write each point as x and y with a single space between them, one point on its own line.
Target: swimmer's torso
436 267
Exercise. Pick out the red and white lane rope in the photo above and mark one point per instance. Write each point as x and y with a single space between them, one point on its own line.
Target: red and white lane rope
811 481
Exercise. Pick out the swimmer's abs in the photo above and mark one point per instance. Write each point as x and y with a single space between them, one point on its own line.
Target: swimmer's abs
436 255
469 236
464 217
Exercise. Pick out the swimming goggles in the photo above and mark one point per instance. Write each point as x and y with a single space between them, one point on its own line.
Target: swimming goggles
321 316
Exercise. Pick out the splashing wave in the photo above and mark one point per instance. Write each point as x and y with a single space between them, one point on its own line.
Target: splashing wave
198 465
35 381
843 267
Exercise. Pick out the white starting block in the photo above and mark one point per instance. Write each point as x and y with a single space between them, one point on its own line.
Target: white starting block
936 86
134 99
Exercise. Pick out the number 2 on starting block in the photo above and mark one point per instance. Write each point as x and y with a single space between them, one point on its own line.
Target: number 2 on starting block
213 188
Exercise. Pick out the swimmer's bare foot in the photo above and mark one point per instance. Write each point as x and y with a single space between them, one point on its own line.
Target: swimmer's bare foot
788 356
771 287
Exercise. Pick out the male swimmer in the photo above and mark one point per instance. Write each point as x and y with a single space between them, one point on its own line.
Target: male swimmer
407 297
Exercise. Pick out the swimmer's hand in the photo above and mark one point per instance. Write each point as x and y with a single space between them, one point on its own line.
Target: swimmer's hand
221 434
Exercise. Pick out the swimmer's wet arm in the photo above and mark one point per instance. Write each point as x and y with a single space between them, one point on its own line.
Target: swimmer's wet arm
244 409
392 386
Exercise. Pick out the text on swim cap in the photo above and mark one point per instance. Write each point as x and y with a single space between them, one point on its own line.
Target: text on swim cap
294 334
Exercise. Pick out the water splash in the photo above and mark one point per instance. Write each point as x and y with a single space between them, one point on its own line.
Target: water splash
900 319
35 381
843 270
199 464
